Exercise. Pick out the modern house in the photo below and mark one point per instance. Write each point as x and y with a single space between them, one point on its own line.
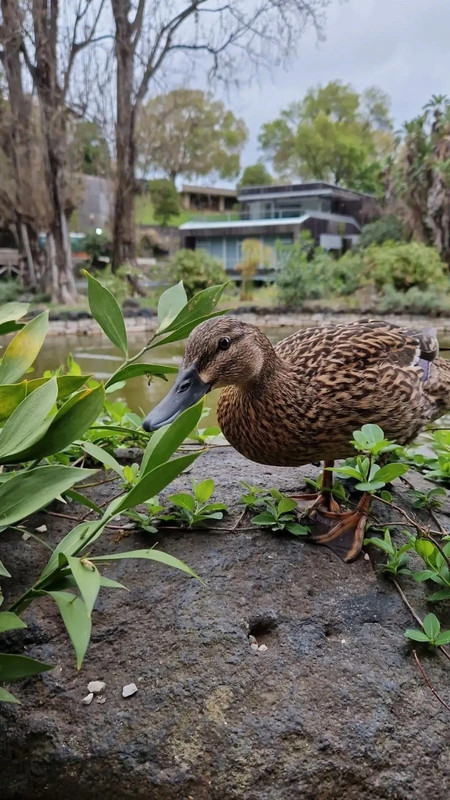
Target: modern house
333 216
207 198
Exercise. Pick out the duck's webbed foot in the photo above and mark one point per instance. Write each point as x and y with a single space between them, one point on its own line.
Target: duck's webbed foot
322 500
342 532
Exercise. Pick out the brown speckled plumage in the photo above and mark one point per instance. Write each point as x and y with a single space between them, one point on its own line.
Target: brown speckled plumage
301 400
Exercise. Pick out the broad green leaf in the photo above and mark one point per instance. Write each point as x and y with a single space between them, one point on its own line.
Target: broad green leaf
108 583
23 349
13 668
386 546
171 302
11 395
71 544
372 433
67 384
10 621
431 626
106 310
424 548
442 594
7 697
87 579
3 571
28 422
286 504
443 638
134 370
13 311
76 619
154 481
198 307
297 529
30 490
103 457
263 519
369 486
204 490
423 575
71 421
183 500
83 500
350 471
184 330
418 636
152 555
165 441
391 471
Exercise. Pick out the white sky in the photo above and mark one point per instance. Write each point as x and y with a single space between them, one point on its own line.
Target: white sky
402 46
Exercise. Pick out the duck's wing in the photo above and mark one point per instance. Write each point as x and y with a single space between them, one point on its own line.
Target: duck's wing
358 346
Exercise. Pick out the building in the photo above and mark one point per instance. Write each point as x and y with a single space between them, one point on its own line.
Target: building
207 198
333 216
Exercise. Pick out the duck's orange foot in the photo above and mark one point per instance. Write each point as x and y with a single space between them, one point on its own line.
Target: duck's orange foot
340 531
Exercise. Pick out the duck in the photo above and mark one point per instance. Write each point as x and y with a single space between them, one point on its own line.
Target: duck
299 401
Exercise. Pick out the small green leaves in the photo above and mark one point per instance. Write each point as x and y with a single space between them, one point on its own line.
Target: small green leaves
431 632
135 370
370 476
106 310
23 349
278 511
194 510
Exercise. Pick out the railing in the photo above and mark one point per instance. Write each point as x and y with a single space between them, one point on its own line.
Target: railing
278 213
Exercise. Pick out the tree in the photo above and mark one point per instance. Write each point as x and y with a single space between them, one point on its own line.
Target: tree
255 175
165 200
88 148
418 177
254 254
334 134
51 36
186 132
231 37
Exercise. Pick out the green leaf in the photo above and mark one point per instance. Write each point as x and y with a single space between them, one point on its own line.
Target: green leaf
83 500
171 302
135 370
350 471
71 544
372 433
165 441
183 500
72 420
424 548
442 594
13 668
386 546
30 490
3 571
103 457
28 422
10 621
296 529
67 384
11 394
286 504
185 329
431 626
263 519
108 583
23 349
199 307
391 471
154 481
106 310
7 697
369 486
87 579
76 619
204 490
418 636
443 638
152 555
13 311
423 575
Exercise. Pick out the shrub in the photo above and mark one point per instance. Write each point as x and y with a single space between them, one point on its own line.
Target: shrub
384 229
404 266
165 199
9 290
197 269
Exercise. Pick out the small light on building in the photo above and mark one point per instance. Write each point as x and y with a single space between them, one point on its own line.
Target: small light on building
98 231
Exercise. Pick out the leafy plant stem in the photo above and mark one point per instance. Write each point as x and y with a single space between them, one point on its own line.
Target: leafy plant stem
414 613
428 682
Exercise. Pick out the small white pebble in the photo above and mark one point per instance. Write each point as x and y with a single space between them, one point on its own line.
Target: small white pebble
251 639
41 529
96 686
129 689
366 557
262 648
101 699
26 536
88 699
254 646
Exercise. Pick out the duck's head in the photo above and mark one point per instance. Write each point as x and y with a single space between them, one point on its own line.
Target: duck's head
220 352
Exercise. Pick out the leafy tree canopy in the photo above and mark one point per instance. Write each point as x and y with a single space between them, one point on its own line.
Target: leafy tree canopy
334 134
255 175
88 149
186 132
165 199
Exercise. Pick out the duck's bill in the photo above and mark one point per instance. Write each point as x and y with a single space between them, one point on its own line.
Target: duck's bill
187 390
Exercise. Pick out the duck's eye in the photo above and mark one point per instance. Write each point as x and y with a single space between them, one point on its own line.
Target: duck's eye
224 343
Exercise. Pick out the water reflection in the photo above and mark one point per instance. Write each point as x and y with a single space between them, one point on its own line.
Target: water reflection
97 356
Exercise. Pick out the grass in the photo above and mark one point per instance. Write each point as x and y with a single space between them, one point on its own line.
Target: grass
144 213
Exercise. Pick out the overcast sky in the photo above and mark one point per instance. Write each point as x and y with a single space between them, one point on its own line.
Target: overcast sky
402 46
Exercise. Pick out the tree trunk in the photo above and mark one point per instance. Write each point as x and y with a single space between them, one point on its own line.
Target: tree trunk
124 233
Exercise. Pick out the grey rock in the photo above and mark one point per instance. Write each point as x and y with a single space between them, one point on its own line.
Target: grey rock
335 709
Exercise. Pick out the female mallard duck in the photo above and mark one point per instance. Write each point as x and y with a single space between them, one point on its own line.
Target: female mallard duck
301 400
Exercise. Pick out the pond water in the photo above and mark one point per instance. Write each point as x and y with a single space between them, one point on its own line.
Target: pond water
97 356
